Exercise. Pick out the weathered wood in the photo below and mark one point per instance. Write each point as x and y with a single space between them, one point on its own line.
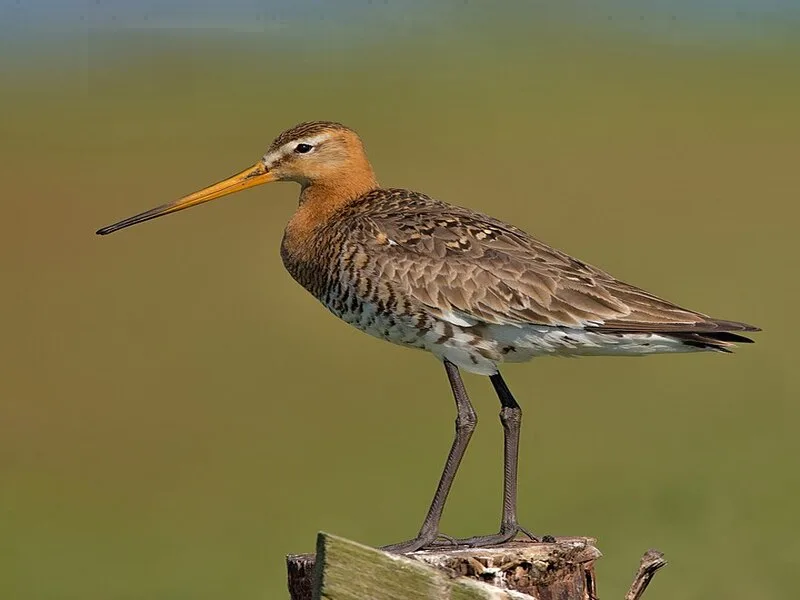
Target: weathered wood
561 569
651 562
345 570
300 574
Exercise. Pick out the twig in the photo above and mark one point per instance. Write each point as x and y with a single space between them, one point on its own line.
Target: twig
651 562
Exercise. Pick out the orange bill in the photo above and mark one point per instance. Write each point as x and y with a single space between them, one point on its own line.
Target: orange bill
255 175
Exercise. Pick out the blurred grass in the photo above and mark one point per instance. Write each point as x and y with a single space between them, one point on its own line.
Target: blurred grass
176 414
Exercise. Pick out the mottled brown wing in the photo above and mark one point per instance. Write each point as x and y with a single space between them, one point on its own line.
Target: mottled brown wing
470 268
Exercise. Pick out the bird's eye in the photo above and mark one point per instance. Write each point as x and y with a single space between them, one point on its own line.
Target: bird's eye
303 148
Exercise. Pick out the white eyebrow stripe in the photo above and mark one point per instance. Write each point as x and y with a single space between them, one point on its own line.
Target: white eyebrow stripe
313 140
288 147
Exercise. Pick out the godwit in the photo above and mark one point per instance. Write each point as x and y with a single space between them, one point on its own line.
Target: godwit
472 290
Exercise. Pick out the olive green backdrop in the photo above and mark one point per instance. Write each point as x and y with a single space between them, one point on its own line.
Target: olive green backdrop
176 414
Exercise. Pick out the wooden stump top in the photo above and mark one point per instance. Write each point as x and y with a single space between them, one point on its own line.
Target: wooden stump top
345 570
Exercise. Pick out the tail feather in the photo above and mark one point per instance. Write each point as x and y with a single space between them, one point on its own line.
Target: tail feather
721 341
708 334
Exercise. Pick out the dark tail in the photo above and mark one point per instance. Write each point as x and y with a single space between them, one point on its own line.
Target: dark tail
708 334
720 341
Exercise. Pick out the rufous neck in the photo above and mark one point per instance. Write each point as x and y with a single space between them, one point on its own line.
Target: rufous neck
327 195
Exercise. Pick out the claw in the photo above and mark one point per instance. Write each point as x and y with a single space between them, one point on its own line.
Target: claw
505 535
421 542
443 540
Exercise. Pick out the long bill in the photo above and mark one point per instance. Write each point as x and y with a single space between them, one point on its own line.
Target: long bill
255 175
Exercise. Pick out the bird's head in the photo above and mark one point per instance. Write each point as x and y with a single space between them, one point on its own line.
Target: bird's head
320 151
317 153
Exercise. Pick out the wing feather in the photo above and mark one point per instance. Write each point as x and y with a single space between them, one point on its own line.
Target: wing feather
465 265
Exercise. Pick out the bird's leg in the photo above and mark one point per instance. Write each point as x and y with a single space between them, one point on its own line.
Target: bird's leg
466 420
511 418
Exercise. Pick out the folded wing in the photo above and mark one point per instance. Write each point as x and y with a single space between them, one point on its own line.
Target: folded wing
470 268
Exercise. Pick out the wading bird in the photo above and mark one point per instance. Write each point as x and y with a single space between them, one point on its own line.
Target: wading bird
470 289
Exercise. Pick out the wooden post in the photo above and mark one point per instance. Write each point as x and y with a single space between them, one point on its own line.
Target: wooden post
563 569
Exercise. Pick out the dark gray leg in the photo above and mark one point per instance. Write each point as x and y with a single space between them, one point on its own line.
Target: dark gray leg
465 425
511 418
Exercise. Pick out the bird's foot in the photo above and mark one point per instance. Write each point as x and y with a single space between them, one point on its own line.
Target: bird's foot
423 541
507 533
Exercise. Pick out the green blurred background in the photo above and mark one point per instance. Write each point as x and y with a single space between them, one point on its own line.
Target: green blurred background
176 414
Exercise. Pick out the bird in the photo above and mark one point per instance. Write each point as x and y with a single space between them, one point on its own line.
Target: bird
472 290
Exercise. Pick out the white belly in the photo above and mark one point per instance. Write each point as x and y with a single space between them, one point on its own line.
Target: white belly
481 348
507 343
